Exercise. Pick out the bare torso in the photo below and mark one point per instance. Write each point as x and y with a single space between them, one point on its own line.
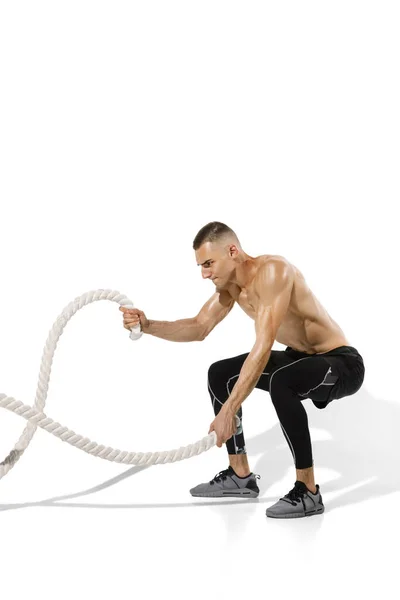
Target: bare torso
307 326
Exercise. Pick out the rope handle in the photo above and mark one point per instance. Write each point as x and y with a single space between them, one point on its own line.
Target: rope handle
136 331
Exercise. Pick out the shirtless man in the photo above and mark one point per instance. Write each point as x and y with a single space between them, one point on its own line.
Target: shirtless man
318 362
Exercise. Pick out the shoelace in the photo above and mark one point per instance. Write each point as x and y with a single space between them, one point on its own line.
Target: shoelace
295 495
224 474
221 475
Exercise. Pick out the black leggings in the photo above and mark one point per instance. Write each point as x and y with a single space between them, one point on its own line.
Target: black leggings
290 377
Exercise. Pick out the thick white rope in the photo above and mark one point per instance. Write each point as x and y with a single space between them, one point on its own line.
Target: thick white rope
37 418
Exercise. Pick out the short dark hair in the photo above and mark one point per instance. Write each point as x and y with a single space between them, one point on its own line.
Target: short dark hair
213 232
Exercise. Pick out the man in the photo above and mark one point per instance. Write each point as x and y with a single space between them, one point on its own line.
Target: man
318 362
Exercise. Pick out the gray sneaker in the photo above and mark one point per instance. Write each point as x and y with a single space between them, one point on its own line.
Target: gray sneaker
227 483
299 502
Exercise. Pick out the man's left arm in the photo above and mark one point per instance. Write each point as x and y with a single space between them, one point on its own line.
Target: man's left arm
273 287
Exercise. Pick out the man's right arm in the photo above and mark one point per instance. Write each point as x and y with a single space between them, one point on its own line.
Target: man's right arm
197 328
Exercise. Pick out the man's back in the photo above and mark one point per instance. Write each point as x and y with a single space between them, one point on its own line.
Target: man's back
307 326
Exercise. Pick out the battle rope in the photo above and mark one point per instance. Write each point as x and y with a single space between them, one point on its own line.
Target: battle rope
36 418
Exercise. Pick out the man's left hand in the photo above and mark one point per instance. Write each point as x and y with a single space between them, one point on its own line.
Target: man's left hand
224 426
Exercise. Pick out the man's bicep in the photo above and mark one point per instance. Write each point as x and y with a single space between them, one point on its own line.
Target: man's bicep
214 310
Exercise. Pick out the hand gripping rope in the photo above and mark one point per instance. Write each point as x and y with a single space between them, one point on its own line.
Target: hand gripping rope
37 418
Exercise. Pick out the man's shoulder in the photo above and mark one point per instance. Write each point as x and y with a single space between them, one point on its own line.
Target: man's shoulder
274 264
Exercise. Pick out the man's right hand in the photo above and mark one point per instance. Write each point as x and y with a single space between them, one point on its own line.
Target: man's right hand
134 316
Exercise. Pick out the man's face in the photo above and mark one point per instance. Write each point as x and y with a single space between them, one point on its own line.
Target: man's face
213 263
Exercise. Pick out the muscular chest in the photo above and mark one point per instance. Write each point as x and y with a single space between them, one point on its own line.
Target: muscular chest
248 302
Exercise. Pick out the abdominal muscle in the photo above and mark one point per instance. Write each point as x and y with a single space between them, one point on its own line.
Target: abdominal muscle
306 327
312 337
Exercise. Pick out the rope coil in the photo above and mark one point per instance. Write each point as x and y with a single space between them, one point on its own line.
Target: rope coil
37 418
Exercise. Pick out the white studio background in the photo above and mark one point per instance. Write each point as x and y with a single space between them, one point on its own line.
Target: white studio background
126 127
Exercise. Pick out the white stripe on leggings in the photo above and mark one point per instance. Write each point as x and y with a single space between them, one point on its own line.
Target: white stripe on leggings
288 440
317 386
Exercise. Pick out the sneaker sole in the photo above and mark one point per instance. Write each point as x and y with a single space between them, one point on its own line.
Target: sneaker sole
297 516
233 493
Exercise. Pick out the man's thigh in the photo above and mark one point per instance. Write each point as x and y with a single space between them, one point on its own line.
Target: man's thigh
322 378
277 360
308 377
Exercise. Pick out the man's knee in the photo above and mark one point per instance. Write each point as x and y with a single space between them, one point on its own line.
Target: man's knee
279 384
279 379
216 370
213 377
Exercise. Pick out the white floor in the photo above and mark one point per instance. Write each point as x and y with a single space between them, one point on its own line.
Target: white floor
75 526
